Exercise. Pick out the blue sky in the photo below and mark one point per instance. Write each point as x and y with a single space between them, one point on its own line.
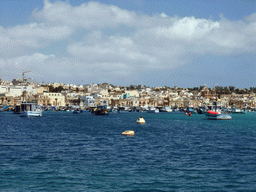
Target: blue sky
184 43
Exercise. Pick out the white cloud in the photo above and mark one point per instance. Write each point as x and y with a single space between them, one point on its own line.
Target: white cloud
111 49
31 59
163 15
88 15
40 31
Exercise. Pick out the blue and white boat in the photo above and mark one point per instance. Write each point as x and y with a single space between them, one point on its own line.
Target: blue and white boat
153 110
30 110
165 109
236 110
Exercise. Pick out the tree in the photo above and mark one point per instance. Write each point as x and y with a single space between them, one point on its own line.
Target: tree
231 88
201 87
226 90
51 88
236 91
58 89
131 87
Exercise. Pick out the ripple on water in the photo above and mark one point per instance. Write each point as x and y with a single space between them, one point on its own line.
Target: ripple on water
171 152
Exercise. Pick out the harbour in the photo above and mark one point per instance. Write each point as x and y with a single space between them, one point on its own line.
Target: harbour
61 151
132 96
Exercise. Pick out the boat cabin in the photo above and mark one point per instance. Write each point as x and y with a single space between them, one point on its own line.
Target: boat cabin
28 106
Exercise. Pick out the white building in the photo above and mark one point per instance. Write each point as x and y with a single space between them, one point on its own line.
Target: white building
87 101
56 99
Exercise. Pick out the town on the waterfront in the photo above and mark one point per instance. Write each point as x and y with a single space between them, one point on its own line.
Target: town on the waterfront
59 96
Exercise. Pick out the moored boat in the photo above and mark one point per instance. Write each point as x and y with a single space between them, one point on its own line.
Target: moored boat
100 110
239 111
16 109
165 109
153 110
30 110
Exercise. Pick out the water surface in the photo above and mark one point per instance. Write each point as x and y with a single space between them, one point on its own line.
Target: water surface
171 152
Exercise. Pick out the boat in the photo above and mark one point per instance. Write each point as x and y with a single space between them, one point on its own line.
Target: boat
201 110
218 116
214 113
16 109
153 110
100 110
239 111
76 111
30 110
123 109
140 120
165 109
192 110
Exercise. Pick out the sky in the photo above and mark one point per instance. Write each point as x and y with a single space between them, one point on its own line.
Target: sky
185 43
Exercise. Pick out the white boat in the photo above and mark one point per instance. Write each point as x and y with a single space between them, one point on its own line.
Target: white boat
30 110
166 109
236 110
123 109
153 110
215 113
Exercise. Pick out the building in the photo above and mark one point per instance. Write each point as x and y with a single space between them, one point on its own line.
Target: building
56 99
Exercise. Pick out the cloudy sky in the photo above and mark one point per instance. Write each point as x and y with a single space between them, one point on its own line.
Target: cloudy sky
184 43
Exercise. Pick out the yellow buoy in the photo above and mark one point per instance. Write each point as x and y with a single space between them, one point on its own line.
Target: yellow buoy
140 120
129 132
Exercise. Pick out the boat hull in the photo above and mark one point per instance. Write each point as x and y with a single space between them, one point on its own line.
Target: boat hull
31 114
153 110
219 116
101 112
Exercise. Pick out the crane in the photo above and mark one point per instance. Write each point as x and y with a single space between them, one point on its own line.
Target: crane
23 76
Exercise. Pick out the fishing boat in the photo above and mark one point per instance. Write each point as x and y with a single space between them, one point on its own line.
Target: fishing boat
214 113
153 110
201 110
100 110
123 109
30 110
165 109
16 109
239 111
76 111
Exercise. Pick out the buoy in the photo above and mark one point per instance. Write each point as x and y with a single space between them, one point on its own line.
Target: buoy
128 133
190 114
141 120
186 113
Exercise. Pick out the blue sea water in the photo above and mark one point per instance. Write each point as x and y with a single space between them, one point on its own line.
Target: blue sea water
172 152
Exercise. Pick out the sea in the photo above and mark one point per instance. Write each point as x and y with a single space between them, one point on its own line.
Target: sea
62 151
